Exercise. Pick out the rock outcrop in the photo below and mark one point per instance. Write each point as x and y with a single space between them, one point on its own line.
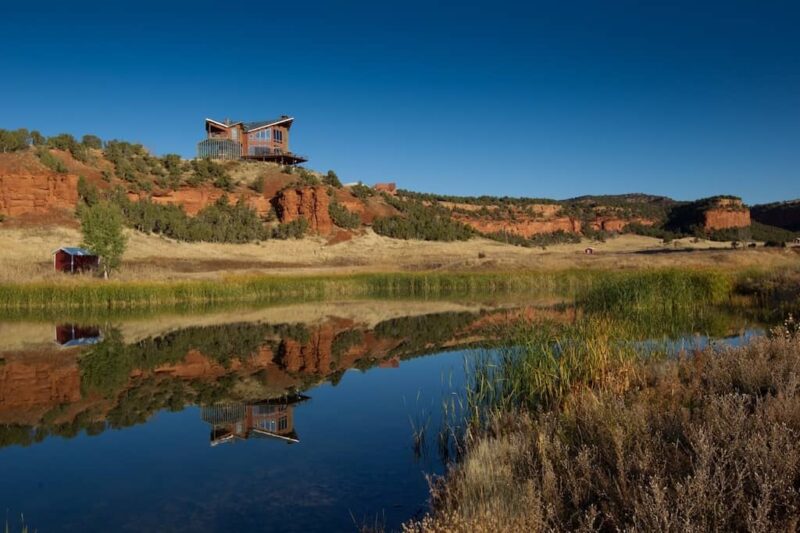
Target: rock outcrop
310 203
717 219
522 227
37 193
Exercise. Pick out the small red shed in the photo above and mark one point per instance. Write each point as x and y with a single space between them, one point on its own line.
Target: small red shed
73 259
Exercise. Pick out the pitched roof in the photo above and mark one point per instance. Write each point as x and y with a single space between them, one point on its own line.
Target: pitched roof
74 250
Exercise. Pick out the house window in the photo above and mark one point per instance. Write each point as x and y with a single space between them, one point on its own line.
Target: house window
282 424
277 136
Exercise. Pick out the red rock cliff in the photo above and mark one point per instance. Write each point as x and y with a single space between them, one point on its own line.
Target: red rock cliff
726 213
310 203
37 193
523 227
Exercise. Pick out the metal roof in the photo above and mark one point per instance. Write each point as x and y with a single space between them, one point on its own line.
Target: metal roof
74 250
250 126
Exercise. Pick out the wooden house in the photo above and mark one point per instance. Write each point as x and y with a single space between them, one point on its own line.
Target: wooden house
73 260
267 140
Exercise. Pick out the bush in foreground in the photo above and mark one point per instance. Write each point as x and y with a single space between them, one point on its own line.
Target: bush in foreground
702 443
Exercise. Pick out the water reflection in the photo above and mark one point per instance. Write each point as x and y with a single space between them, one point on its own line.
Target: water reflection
269 418
70 335
117 376
207 402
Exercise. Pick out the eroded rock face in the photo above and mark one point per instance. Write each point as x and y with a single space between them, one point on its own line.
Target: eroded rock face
726 213
524 227
722 219
617 225
37 193
192 199
310 203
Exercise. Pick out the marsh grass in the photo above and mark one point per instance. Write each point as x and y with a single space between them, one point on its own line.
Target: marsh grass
598 289
704 442
84 293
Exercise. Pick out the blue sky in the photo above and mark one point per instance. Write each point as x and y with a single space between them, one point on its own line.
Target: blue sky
544 99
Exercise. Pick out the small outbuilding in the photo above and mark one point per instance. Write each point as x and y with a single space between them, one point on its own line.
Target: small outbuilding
589 251
73 259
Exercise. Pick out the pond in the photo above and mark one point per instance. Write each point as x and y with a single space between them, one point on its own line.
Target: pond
293 418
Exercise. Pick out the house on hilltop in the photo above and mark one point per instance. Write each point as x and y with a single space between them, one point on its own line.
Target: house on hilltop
267 140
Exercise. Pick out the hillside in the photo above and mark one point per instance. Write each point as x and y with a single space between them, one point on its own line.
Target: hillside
44 181
784 215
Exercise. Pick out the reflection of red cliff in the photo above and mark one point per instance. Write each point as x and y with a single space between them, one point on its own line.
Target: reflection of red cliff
32 383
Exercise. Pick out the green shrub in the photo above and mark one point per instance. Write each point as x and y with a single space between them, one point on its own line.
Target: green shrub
258 184
729 234
37 139
87 191
290 230
14 140
208 170
50 161
764 232
542 239
66 142
219 222
331 179
419 221
342 217
307 177
361 191
92 141
652 231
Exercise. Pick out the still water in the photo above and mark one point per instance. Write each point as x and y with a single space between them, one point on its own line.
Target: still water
298 418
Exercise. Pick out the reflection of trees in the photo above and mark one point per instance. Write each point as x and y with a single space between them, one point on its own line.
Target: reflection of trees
419 332
121 387
107 367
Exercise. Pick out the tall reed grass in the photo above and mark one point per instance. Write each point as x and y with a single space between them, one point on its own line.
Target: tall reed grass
601 288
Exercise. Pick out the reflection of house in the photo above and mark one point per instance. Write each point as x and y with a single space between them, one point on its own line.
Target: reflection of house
69 335
270 418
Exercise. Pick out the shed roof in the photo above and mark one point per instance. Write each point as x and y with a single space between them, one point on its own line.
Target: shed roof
74 250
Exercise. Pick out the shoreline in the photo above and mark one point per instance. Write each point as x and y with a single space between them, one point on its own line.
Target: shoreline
91 294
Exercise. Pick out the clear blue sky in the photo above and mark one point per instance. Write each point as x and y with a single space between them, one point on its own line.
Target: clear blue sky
548 99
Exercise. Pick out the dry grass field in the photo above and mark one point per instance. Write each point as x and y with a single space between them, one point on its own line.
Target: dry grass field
26 255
